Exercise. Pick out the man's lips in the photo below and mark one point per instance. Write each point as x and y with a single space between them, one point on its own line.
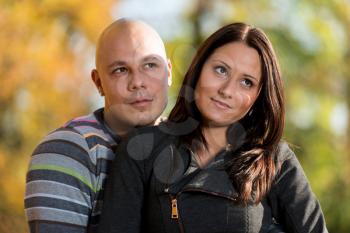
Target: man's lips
220 104
144 102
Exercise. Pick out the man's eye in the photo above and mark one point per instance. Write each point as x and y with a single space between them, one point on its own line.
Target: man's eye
150 65
220 70
120 70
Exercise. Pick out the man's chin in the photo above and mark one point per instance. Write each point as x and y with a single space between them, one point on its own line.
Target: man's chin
148 118
145 122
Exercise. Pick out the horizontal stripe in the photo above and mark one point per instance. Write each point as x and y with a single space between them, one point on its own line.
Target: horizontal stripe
57 215
57 190
98 151
69 164
39 226
83 119
53 203
74 124
68 135
67 149
87 119
90 173
55 197
63 170
66 176
85 130
57 176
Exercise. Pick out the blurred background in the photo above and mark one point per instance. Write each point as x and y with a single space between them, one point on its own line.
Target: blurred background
47 53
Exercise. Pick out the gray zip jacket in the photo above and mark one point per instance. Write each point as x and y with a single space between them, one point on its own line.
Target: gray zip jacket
151 189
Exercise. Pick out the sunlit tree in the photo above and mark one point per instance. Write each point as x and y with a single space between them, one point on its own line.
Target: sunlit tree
46 48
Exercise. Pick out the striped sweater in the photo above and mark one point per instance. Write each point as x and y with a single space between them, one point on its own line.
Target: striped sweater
66 175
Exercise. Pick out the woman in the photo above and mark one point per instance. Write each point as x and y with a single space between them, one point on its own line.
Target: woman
218 164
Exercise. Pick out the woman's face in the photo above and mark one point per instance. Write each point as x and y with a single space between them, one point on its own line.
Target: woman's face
228 85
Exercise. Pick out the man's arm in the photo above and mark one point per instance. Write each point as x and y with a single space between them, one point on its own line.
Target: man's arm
60 184
124 191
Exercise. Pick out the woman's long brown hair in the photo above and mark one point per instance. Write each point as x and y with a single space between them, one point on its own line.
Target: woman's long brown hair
252 167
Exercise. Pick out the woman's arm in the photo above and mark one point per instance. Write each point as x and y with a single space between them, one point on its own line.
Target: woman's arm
298 208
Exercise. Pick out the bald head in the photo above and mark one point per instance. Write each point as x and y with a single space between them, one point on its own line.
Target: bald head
128 34
132 73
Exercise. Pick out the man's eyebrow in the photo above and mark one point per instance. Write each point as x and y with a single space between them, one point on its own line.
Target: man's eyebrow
117 63
153 57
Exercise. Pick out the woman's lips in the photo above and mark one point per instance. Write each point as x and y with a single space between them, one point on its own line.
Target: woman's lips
221 104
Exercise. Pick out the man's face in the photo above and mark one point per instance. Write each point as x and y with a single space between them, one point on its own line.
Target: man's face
134 74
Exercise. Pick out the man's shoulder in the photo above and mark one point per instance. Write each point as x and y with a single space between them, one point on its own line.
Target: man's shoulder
86 131
65 176
84 124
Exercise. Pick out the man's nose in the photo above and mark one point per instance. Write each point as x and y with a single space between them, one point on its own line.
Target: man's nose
136 81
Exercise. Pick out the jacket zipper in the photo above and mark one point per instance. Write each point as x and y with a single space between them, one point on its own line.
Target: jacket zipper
173 201
174 207
175 212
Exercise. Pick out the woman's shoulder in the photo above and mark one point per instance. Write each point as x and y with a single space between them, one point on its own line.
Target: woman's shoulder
284 151
286 160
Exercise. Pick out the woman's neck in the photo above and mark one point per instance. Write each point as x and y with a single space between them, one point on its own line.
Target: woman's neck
216 141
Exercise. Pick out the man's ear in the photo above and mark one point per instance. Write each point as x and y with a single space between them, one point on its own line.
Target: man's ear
170 76
97 81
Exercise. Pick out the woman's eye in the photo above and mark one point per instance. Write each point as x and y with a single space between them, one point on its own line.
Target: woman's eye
220 70
247 82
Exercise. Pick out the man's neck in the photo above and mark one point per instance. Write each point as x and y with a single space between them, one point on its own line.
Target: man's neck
113 125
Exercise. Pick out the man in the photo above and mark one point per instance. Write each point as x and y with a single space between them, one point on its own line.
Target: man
67 172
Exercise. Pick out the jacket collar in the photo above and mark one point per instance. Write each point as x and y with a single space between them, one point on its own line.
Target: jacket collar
212 180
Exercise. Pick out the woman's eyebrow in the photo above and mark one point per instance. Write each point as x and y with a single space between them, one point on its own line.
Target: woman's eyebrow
222 62
250 76
229 68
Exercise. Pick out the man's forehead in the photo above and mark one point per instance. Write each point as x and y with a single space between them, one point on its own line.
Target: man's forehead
137 60
131 43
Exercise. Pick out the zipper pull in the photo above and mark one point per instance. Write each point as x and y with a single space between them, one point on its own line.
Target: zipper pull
174 212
